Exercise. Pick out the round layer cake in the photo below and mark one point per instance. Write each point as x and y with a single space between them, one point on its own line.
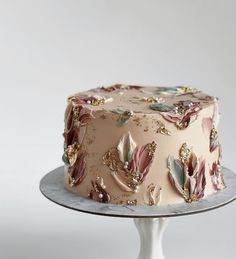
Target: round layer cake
136 145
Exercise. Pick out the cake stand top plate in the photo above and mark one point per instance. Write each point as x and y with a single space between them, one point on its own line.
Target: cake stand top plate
52 187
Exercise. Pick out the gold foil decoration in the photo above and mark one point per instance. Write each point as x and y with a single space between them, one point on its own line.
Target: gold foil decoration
151 148
98 102
180 125
76 111
154 194
70 153
186 89
153 99
71 181
110 160
162 129
134 182
184 153
213 134
71 98
91 100
187 197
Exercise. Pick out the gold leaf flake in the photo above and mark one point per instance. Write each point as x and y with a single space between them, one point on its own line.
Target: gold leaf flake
153 99
71 98
154 194
214 133
162 129
187 197
76 112
71 181
151 148
110 160
186 89
70 154
98 101
184 153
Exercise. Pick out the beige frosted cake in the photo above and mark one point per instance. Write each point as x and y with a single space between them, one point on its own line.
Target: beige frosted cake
134 145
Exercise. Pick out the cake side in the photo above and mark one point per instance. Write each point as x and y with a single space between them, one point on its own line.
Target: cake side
142 145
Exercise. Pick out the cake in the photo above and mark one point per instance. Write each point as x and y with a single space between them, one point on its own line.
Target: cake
135 145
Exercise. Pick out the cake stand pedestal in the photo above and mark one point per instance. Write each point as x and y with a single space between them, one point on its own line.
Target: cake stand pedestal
150 221
151 231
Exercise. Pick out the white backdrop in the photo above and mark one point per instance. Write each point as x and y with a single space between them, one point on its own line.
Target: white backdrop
50 49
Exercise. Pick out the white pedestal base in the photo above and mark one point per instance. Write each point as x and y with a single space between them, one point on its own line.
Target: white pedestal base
151 231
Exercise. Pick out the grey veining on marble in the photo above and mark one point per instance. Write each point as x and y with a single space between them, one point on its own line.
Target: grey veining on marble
52 187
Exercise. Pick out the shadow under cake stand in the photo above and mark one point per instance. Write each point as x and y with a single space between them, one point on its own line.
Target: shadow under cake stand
150 221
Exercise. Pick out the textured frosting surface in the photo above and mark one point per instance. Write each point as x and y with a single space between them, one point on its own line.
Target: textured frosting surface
134 145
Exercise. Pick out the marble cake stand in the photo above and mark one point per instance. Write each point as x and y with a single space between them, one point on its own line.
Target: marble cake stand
150 221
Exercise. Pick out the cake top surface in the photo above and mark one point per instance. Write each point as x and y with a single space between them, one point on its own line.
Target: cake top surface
139 99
